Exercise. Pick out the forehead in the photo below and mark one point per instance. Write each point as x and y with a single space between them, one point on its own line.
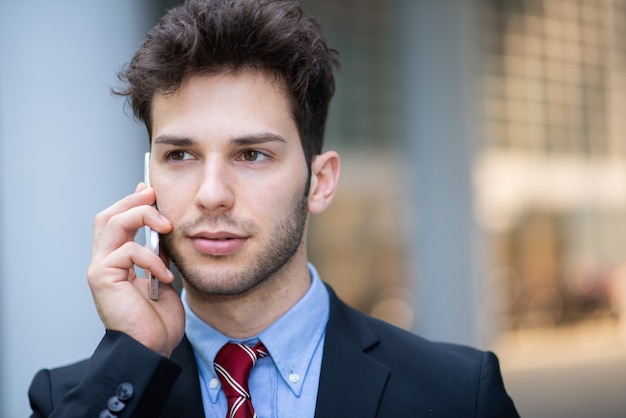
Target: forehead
227 103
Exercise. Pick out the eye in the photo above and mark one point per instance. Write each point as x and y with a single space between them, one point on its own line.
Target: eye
253 156
179 156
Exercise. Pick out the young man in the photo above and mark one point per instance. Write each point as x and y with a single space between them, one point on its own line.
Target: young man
235 94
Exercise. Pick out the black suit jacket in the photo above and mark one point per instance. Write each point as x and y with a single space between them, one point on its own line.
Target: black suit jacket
369 369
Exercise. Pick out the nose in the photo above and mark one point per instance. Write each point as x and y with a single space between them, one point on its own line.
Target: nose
216 187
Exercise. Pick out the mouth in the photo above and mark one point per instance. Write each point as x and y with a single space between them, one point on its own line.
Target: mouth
217 243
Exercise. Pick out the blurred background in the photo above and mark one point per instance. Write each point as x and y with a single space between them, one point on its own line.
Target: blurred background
483 190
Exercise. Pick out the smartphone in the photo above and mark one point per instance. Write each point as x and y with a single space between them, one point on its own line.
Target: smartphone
152 236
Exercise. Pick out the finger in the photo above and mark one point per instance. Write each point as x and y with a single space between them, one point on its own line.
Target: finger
119 266
131 275
141 187
151 262
123 227
144 196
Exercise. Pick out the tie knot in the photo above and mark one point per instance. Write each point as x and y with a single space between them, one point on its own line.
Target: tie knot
233 364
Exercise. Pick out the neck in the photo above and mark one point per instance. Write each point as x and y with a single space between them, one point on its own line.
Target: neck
246 315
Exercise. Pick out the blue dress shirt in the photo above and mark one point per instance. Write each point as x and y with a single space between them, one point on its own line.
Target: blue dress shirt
285 383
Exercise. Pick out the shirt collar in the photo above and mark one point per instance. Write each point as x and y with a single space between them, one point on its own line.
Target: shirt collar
291 340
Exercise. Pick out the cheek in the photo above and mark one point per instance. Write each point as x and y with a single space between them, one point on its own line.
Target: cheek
170 200
270 203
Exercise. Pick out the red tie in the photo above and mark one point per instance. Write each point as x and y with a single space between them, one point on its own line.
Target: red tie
233 365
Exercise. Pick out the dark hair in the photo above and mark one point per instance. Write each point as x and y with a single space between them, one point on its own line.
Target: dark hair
210 36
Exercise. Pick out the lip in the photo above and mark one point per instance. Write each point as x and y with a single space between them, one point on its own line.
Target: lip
217 243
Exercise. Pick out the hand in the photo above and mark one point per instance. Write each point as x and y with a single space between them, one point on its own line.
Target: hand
121 299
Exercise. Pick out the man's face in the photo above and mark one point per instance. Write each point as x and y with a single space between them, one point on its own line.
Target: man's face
229 172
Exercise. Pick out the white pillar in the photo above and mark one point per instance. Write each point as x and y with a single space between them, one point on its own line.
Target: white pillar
67 150
440 60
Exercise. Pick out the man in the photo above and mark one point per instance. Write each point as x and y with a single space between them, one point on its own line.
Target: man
235 94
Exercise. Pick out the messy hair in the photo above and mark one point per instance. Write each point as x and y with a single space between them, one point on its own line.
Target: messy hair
205 37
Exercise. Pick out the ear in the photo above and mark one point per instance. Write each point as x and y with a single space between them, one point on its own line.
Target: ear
324 179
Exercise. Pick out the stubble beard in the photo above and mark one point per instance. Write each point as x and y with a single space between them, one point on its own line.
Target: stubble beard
280 248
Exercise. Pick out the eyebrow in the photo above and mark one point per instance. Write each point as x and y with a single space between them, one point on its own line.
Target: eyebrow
258 139
247 140
173 140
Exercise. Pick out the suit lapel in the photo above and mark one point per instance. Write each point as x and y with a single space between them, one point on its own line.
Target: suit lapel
185 399
351 382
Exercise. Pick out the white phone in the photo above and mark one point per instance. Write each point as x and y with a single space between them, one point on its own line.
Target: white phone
152 236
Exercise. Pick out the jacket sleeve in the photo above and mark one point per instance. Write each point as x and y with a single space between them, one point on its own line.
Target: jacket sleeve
122 377
493 400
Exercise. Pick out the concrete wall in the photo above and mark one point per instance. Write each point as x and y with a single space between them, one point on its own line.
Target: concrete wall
67 150
440 63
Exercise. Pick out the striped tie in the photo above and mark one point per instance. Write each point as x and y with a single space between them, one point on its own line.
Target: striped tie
233 365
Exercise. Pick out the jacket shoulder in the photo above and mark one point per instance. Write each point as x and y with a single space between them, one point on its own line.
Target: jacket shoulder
433 377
